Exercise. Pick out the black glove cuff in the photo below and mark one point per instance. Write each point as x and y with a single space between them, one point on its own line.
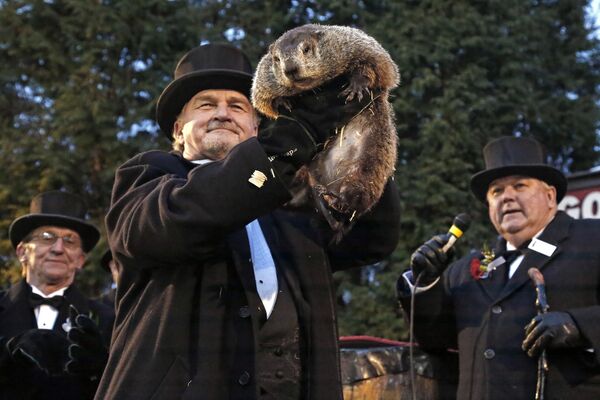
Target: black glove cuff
288 144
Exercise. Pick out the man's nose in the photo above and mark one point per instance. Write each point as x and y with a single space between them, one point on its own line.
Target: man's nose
222 112
58 246
508 193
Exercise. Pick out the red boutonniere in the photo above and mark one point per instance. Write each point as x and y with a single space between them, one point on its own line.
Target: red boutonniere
480 265
476 270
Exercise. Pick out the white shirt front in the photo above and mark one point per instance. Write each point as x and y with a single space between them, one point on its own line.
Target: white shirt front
46 315
265 273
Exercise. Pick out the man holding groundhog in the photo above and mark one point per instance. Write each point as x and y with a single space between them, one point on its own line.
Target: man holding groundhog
223 293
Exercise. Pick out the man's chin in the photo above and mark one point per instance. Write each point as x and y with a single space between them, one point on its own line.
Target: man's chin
218 151
512 227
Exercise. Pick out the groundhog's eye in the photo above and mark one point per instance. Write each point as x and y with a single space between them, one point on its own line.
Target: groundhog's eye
306 49
276 59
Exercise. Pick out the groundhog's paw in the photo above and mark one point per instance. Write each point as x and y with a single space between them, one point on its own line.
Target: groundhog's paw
335 202
282 103
357 87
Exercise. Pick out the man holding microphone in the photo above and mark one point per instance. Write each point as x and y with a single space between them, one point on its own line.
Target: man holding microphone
484 304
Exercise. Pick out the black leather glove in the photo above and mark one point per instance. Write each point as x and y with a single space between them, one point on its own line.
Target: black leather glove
39 349
554 329
430 260
324 109
299 133
87 352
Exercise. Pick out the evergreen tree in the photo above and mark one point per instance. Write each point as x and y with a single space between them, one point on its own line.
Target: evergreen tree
80 80
79 83
472 71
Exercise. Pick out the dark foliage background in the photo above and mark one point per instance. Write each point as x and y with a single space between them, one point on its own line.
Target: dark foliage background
79 82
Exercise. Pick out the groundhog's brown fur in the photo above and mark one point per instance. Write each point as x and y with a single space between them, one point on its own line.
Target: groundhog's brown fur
349 175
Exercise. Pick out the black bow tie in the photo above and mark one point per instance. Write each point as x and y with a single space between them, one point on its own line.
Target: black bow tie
511 255
36 300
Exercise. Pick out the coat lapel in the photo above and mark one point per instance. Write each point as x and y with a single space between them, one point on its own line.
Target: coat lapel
284 269
555 233
492 285
242 259
16 315
72 297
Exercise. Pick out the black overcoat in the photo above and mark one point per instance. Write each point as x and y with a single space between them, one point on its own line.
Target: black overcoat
187 311
486 321
17 316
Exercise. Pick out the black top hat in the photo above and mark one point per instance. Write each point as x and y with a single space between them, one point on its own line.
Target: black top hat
55 208
212 66
509 155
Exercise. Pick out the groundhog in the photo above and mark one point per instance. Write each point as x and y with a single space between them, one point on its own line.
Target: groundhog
348 176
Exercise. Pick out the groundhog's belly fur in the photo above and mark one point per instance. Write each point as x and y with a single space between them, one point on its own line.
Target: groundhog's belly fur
349 175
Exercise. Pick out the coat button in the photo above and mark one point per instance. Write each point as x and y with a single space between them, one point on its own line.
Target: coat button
244 312
489 354
279 374
278 352
244 378
497 310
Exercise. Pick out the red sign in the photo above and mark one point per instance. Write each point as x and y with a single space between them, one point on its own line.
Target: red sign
582 203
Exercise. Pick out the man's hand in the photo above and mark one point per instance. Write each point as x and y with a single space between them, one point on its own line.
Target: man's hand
300 132
430 260
324 109
551 330
38 349
87 353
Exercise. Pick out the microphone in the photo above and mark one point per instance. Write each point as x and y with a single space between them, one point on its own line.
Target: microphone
540 287
459 227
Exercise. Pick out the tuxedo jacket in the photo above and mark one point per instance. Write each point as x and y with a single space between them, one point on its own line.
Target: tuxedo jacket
485 319
17 316
188 315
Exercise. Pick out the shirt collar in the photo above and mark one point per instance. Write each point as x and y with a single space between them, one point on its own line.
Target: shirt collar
201 162
59 292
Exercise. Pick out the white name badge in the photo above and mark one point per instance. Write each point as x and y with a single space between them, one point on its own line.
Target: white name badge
542 247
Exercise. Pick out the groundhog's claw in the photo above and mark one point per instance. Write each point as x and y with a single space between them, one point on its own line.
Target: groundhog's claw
281 103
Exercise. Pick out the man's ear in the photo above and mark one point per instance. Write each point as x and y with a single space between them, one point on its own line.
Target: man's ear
81 261
551 195
21 252
177 133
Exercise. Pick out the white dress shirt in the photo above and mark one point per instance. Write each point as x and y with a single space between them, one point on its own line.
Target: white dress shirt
46 315
265 273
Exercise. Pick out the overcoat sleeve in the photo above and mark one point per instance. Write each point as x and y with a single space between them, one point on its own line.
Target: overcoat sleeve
163 209
433 320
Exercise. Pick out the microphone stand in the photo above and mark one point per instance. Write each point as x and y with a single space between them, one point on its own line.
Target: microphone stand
542 306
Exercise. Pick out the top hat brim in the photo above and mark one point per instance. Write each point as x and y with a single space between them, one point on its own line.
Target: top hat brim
22 226
480 182
181 90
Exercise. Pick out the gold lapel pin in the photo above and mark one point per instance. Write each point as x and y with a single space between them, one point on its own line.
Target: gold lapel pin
258 179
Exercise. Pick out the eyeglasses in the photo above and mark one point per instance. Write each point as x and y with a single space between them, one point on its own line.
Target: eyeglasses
48 238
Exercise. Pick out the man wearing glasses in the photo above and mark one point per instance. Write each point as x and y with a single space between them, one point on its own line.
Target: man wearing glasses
53 340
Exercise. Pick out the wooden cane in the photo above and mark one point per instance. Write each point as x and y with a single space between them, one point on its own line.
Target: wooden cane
541 303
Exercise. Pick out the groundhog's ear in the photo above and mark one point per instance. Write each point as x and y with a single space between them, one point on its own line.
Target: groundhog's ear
271 46
317 34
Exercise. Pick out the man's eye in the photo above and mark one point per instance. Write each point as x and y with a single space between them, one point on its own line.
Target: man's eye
520 185
69 239
204 105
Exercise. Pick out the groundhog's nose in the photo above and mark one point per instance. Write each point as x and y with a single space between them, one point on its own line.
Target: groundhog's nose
291 69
